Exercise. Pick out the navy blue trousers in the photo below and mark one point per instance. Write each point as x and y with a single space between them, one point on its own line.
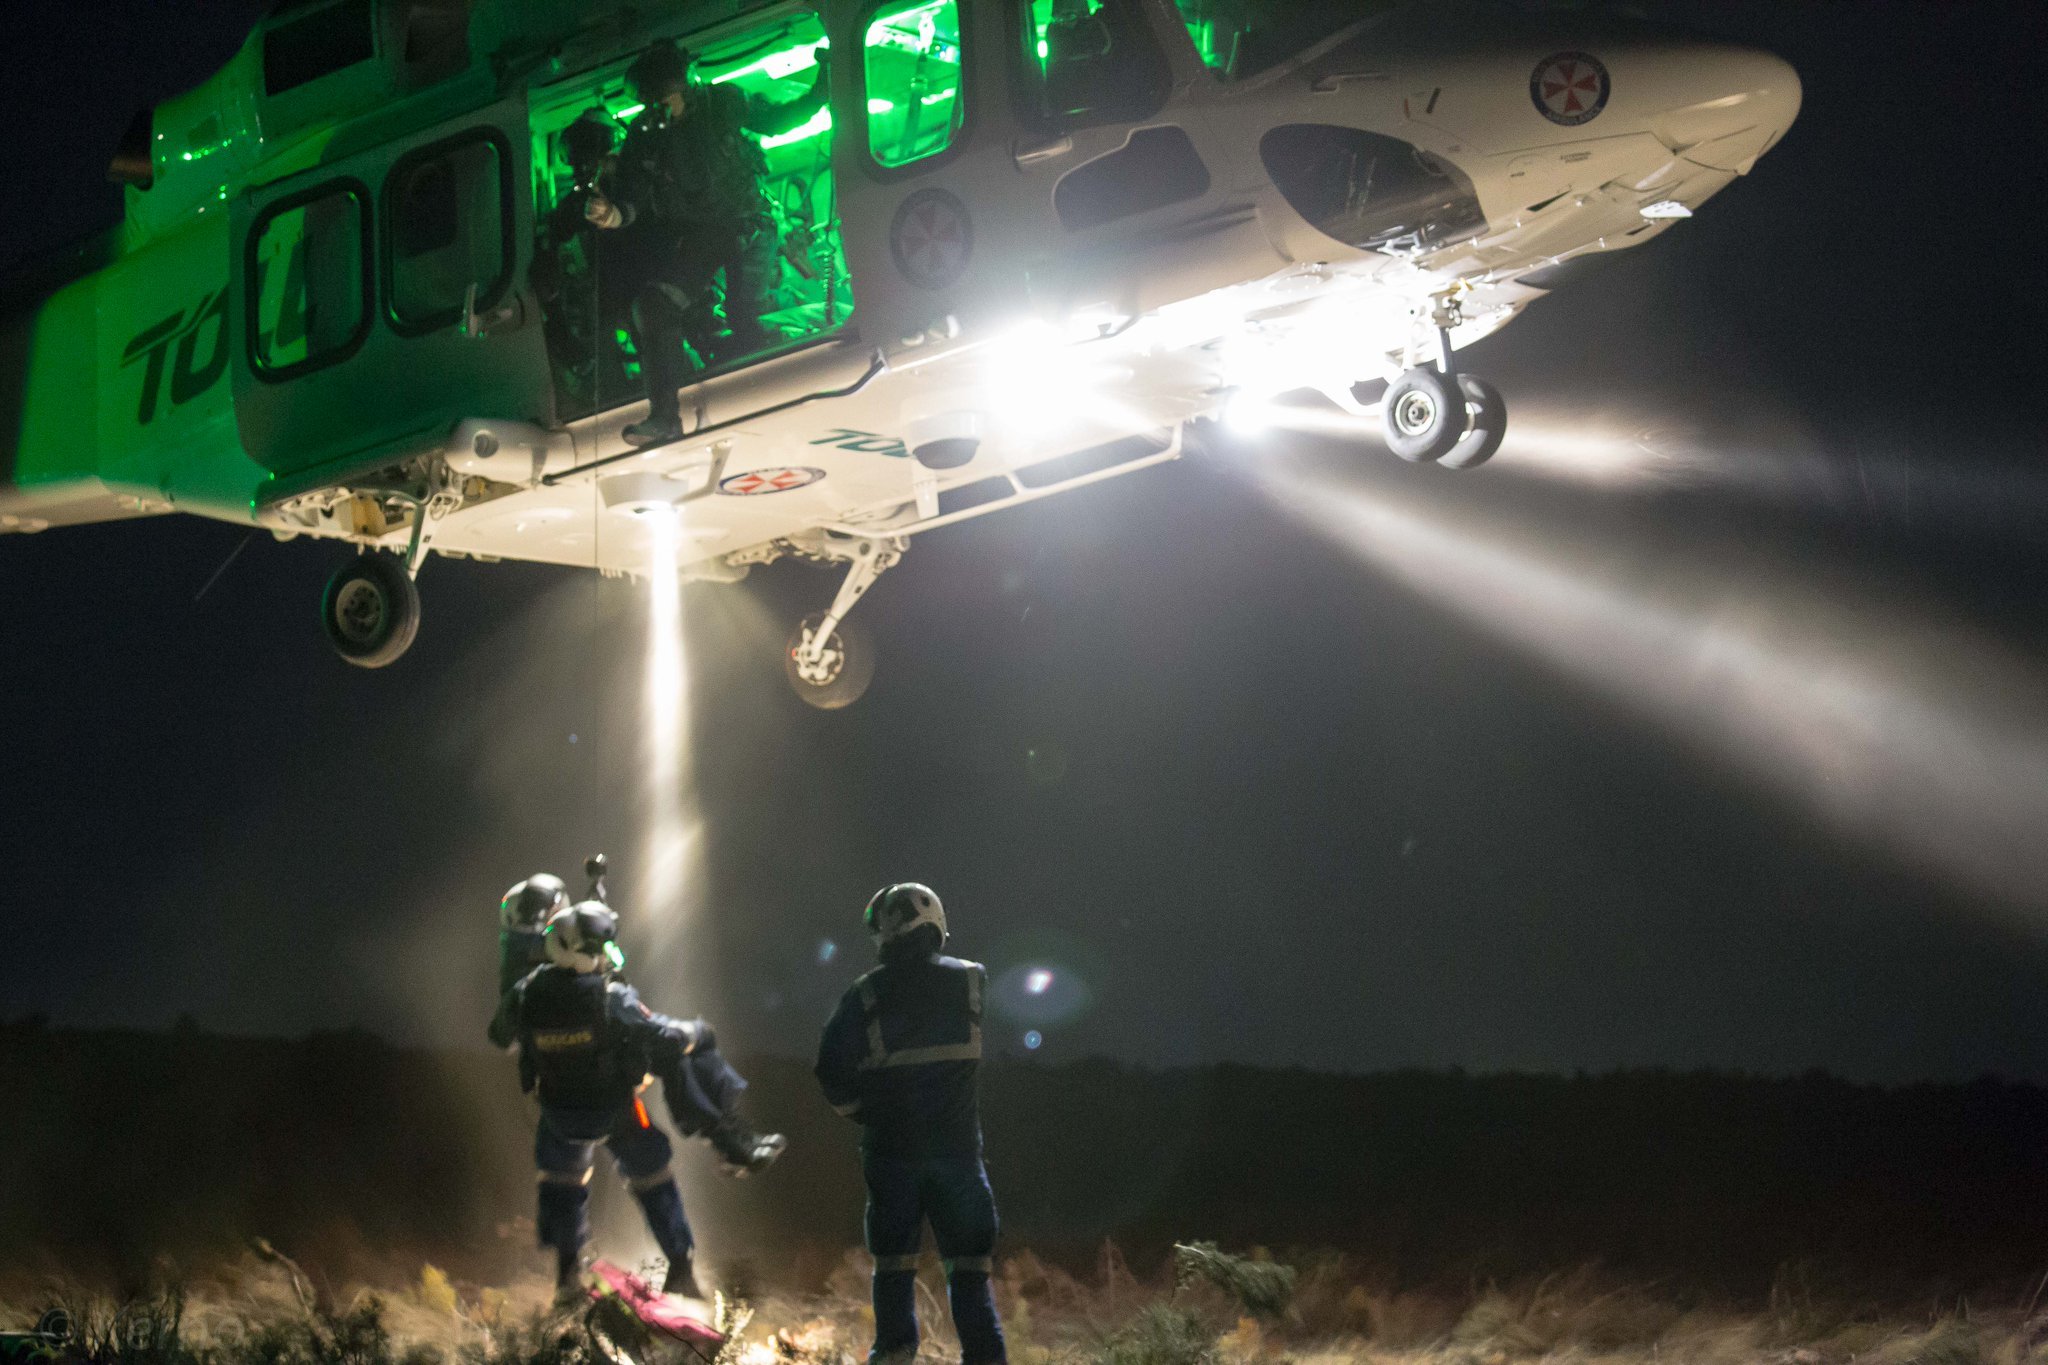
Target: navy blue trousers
952 1193
562 1150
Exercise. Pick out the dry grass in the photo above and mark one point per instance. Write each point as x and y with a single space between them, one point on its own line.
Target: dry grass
1217 1310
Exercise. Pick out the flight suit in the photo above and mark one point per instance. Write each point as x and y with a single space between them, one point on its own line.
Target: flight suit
584 280
696 182
902 1057
585 1045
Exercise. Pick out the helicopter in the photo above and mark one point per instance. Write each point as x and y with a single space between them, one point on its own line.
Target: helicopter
1023 246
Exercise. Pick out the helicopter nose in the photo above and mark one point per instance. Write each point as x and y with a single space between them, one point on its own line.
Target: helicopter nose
1754 98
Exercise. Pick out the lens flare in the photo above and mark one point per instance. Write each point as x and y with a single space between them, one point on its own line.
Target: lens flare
1926 738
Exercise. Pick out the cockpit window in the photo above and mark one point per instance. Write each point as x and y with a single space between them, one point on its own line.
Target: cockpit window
322 41
1239 38
912 62
1090 61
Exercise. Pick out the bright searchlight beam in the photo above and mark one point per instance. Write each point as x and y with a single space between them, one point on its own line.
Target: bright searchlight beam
672 829
1926 738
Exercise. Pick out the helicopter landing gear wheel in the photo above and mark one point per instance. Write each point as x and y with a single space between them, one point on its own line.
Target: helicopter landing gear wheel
1486 422
371 610
1423 415
831 671
829 665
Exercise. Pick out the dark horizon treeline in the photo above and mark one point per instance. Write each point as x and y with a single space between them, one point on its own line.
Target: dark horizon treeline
128 1156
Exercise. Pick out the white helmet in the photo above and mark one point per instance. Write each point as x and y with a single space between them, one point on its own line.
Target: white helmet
529 904
896 910
584 938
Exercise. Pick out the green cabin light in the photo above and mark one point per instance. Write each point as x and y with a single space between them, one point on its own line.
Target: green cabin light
613 955
630 110
880 106
777 65
820 122
1044 49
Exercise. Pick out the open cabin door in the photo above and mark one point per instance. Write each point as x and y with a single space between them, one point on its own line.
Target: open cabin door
1054 143
382 298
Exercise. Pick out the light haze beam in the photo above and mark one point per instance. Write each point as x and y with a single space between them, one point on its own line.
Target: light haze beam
1911 730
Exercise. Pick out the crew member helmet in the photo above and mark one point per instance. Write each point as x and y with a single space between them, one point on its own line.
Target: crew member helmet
662 69
528 905
897 910
585 938
587 141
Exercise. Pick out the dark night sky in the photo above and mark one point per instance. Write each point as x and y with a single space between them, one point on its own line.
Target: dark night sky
1264 799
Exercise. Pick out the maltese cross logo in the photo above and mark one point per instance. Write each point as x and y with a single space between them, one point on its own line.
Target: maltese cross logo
1569 88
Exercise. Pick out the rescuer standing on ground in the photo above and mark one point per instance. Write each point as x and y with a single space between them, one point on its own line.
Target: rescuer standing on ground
689 171
901 1057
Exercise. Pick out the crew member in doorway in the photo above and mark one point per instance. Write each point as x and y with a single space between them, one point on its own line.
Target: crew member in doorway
691 172
582 279
901 1057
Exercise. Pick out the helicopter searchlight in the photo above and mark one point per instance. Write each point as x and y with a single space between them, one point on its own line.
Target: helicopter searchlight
1004 250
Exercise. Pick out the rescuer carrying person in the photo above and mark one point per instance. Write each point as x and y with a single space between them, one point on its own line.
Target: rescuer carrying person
901 1057
690 174
587 1047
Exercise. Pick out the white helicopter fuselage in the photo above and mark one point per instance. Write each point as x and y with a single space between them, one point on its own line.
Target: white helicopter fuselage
1042 302
1123 333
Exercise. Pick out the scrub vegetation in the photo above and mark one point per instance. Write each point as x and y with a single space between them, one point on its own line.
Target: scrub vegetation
1204 1307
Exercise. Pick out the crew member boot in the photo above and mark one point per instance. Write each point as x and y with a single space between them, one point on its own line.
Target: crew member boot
653 431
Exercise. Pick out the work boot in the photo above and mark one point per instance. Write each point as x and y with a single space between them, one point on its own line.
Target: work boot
744 1150
653 431
569 1290
681 1279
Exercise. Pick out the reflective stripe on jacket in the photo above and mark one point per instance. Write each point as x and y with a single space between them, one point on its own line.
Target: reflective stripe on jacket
902 1056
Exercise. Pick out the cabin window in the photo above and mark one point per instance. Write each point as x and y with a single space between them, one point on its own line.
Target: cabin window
1157 167
447 226
299 51
1089 61
911 60
785 283
308 280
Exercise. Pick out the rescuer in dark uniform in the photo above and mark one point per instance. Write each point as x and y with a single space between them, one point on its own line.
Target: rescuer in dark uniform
585 1043
587 1046
689 171
584 283
900 1057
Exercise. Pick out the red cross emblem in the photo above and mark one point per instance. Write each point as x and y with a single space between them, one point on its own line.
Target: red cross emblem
758 481
1569 88
932 238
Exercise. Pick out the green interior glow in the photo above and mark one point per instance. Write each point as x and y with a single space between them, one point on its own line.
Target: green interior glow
799 183
911 55
1208 33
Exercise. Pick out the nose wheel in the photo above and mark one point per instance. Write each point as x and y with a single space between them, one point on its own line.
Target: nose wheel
830 662
1456 420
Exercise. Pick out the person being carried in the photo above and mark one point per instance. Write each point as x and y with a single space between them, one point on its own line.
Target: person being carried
901 1056
691 174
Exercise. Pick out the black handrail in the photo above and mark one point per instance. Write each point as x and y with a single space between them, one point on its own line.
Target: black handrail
875 367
